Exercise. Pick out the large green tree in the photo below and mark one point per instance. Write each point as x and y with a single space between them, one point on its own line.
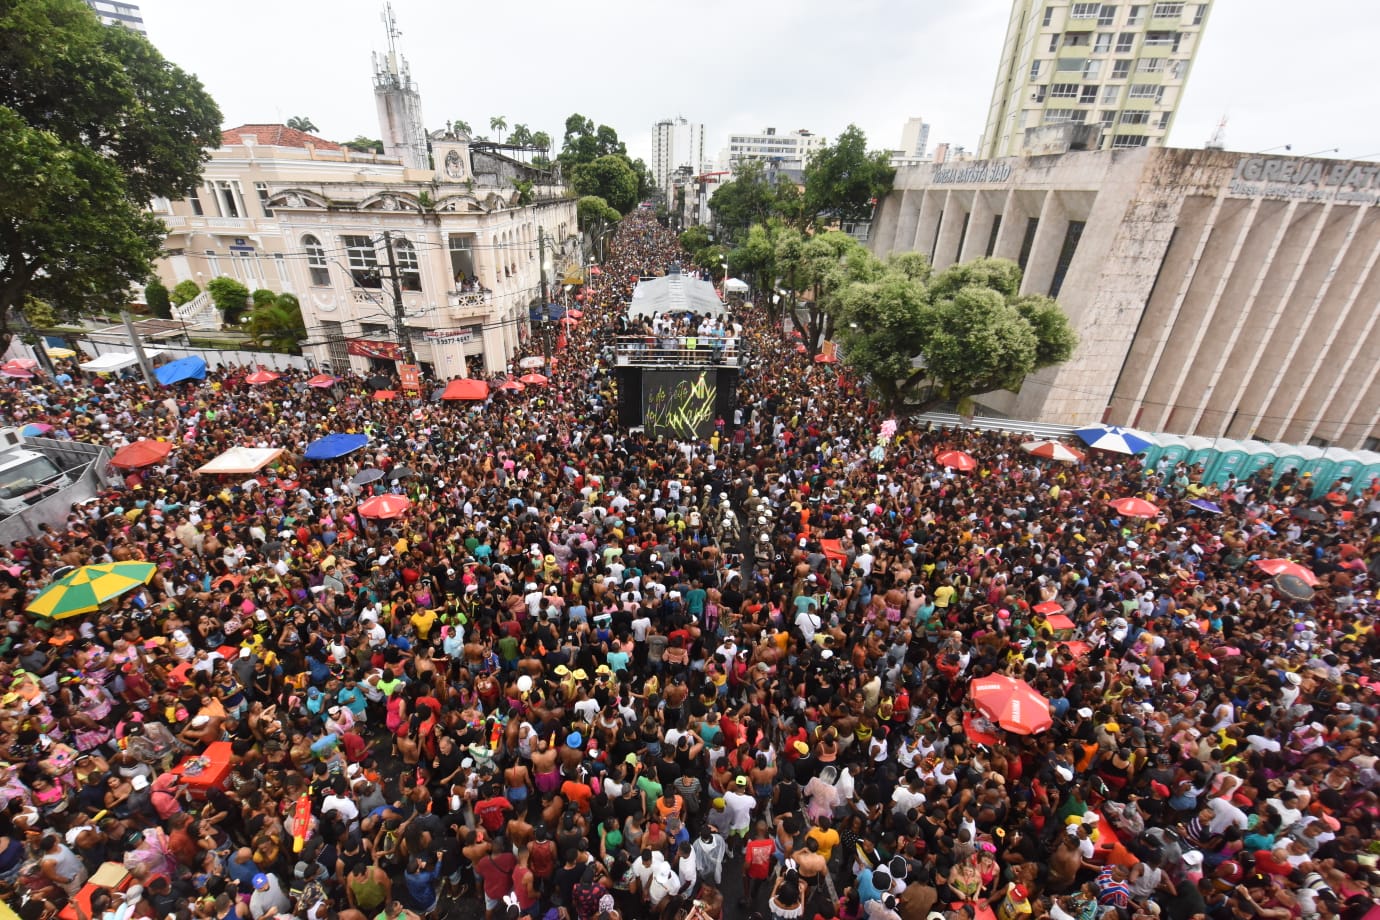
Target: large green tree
231 298
94 124
276 323
754 260
924 341
749 198
844 181
610 178
814 271
157 299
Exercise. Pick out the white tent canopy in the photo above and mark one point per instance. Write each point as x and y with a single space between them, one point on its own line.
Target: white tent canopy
117 361
675 293
736 285
242 460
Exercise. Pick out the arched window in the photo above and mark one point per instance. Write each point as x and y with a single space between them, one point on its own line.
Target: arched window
409 269
316 261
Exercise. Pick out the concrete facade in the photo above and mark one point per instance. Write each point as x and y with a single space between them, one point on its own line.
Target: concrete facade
790 150
119 13
282 210
1119 66
1214 293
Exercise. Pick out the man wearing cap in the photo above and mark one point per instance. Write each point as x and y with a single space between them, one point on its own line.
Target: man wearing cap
268 897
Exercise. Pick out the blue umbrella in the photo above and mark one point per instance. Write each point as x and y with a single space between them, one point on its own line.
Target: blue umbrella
1114 438
1202 504
190 368
335 445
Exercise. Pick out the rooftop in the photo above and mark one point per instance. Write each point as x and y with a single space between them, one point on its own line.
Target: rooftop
275 136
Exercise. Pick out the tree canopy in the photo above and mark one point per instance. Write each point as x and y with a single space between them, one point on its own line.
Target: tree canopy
608 177
302 123
843 181
94 124
276 323
924 340
592 211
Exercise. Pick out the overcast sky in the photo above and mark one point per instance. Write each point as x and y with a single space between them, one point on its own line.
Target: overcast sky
740 65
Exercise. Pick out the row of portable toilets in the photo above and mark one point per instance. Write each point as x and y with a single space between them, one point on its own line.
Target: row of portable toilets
1221 458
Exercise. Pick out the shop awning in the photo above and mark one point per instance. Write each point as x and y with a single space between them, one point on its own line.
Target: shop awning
117 361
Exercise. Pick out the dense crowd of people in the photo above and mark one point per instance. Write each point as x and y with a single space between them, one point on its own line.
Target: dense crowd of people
593 674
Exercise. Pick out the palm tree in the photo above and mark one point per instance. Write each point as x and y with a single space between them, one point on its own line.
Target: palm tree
463 127
302 123
498 124
278 326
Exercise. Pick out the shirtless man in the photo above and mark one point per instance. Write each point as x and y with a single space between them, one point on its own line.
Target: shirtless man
518 782
546 774
811 866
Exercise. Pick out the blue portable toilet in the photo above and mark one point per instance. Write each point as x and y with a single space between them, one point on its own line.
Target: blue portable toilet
1292 457
1258 457
1170 448
1229 457
1344 466
1366 472
1200 453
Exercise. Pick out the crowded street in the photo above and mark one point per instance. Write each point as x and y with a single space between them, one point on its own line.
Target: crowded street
545 666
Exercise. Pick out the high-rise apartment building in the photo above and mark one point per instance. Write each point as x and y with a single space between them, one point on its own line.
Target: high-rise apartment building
784 151
118 13
915 137
676 144
1121 67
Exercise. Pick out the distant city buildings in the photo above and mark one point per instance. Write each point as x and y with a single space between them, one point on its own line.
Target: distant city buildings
785 151
118 13
677 152
1090 75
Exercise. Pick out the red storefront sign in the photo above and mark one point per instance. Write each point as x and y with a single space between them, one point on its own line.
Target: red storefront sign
371 348
411 376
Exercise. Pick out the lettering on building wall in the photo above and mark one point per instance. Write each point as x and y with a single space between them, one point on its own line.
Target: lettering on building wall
451 336
973 174
1306 180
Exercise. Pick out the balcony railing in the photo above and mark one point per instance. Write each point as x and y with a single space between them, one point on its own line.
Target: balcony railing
677 351
470 301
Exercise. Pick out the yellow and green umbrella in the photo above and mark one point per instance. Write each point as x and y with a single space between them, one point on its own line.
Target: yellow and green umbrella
85 589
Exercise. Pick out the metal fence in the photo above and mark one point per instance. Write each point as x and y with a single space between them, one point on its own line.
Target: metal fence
1009 425
54 509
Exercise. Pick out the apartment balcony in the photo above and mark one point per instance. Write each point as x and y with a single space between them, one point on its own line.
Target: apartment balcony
469 303
677 351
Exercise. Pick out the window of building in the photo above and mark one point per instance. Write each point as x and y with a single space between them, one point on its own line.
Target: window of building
1032 224
1161 39
262 189
1054 43
372 330
1092 70
1085 11
316 261
992 237
1168 11
212 263
1371 444
1058 116
1125 41
1316 441
1164 120
409 268
1150 65
1035 69
1088 94
1063 91
1065 65
1129 141
1049 16
1144 91
363 261
1199 14
1111 94
1135 118
195 201
1136 15
1077 39
1121 69
1175 70
229 207
1103 43
1072 234
1107 15
1106 118
1039 94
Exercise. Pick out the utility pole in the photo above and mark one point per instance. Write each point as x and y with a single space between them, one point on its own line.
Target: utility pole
399 323
139 352
545 299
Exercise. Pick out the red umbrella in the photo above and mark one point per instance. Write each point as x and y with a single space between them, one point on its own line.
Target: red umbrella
466 388
1052 450
800 348
826 359
1049 607
957 460
16 370
1012 704
140 453
1134 507
321 381
512 386
385 395
534 380
570 321
261 377
1287 567
795 334
385 507
575 314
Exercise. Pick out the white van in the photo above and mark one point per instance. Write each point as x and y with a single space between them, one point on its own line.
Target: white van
26 476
